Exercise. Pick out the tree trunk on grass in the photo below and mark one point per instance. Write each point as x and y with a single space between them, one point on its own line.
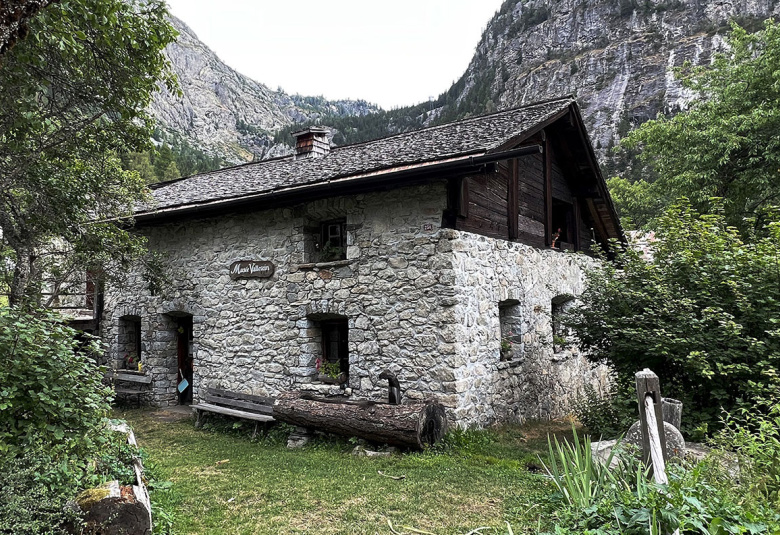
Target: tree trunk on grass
413 425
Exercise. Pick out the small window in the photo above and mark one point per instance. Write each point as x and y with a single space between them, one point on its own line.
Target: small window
335 349
562 224
129 343
561 304
332 244
511 322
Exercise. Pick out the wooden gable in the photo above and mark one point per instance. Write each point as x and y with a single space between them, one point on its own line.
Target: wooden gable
555 197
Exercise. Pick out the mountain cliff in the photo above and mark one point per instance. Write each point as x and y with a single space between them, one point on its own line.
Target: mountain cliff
616 56
226 114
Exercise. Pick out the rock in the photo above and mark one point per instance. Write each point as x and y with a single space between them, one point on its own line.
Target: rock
675 444
299 438
114 510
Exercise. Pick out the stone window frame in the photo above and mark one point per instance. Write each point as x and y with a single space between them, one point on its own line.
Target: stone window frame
136 341
318 323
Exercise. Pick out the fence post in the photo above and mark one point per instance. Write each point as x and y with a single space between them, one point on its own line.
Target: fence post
647 383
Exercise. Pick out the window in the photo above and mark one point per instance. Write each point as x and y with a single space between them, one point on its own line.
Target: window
335 348
563 228
129 343
560 305
332 244
510 319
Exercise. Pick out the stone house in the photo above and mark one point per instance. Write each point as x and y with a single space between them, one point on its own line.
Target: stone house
441 255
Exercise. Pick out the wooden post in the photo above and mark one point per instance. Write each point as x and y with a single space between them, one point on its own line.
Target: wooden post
647 384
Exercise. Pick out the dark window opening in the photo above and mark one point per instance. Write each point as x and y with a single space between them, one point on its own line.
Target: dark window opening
332 244
129 342
335 349
561 304
562 223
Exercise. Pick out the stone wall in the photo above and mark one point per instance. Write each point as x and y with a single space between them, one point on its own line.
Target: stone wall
498 280
420 301
260 336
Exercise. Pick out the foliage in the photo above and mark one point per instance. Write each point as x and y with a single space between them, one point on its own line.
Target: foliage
51 387
700 498
609 415
73 95
34 491
728 133
577 476
755 439
702 313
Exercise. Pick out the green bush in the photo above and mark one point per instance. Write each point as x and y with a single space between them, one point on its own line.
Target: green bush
53 424
34 491
702 313
607 416
51 389
702 498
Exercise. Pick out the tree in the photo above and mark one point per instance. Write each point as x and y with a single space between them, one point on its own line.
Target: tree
702 313
726 144
73 95
14 19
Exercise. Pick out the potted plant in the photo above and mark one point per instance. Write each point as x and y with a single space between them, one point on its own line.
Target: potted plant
329 372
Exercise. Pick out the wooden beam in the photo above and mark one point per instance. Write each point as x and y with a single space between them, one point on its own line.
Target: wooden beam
577 223
513 199
548 230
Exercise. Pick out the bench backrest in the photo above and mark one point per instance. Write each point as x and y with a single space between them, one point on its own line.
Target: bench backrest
250 402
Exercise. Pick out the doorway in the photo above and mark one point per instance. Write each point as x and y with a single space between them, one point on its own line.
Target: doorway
185 361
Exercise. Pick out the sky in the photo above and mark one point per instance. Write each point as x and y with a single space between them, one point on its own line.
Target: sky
392 53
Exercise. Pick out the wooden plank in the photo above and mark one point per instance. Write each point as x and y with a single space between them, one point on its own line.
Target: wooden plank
547 191
131 378
129 391
577 225
238 395
242 404
232 412
513 201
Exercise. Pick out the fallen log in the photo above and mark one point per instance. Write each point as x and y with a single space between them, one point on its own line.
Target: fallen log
413 425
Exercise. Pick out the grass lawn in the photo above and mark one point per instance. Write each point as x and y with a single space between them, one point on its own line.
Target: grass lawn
484 479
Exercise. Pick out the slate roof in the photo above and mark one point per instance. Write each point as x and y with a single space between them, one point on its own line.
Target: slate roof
474 136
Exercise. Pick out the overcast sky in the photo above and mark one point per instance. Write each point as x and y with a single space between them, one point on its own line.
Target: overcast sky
392 53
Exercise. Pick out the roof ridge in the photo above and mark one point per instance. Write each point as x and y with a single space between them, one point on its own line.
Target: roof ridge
569 97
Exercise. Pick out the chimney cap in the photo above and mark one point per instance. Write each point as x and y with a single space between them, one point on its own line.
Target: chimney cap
311 130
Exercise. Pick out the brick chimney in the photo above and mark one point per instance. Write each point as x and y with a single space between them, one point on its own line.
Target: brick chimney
311 143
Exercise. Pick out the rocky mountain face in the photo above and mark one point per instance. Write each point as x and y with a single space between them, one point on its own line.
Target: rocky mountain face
616 56
226 114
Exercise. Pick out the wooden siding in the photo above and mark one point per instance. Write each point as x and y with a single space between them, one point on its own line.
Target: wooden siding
481 202
486 211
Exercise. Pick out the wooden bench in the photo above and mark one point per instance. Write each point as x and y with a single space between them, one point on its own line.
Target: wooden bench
247 406
130 383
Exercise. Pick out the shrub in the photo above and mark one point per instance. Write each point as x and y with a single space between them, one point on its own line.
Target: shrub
34 492
700 498
51 389
702 313
52 422
606 416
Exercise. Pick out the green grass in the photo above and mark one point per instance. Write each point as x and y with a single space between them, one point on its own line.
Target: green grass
481 479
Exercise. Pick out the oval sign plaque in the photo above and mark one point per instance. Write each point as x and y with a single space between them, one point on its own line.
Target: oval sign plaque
251 269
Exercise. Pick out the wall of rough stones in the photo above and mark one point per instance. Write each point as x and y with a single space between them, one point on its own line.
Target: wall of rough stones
539 379
420 301
260 336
